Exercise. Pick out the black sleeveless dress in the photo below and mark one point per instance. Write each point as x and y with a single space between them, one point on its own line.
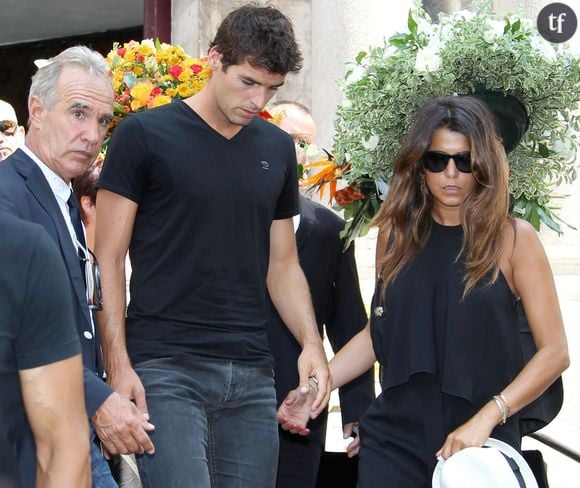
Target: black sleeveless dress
442 358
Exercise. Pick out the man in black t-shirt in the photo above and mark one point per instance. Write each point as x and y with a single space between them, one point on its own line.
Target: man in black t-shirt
202 193
40 363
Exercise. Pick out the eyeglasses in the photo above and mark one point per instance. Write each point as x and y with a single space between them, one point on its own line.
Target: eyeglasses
436 161
92 277
8 127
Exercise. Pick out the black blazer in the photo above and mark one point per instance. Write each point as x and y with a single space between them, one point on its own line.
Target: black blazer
334 286
25 193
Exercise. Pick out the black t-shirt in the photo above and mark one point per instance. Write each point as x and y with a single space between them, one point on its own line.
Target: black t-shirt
200 245
36 323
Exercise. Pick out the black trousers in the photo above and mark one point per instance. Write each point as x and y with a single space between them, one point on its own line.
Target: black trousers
299 457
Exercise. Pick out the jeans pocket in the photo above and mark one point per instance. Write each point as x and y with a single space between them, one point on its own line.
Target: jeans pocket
152 362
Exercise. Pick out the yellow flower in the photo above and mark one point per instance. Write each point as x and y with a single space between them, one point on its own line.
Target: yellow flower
185 75
140 94
173 59
185 90
197 85
144 66
159 100
161 56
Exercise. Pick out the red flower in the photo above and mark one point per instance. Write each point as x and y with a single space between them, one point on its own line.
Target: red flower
139 58
121 51
196 68
348 195
156 91
175 71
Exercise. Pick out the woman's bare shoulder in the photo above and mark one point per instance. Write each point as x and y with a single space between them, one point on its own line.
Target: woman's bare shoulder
525 233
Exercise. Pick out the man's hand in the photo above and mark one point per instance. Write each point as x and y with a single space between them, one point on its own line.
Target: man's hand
313 367
351 430
128 384
353 448
122 427
295 411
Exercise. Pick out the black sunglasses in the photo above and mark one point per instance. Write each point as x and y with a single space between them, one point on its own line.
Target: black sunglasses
436 161
8 127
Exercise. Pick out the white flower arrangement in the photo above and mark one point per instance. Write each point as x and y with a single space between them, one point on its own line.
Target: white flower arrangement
458 55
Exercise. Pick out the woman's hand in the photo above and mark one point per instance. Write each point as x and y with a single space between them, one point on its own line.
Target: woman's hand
473 433
296 409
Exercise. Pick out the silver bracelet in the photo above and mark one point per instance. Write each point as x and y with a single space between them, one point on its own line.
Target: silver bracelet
502 408
508 410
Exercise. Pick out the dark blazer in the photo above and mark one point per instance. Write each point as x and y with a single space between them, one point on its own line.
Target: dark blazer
334 286
25 193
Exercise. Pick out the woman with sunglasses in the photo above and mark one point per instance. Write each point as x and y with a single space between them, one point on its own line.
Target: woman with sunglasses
452 265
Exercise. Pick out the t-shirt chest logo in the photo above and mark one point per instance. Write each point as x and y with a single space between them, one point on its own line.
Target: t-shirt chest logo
265 165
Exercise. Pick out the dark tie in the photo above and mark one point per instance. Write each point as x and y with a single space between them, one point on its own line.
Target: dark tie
75 217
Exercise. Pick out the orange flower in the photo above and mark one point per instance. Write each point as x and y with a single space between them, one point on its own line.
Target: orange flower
329 174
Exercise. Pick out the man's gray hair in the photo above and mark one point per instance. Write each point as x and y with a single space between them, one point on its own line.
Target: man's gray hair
45 79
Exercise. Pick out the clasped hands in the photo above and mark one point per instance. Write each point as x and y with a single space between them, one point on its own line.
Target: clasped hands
122 426
296 410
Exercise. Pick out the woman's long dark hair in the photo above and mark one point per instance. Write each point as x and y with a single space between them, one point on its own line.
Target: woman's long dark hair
405 215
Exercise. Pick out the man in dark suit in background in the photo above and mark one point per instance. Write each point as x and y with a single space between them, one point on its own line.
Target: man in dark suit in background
334 286
70 107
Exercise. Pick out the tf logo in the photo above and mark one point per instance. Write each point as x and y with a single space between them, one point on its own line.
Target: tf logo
557 22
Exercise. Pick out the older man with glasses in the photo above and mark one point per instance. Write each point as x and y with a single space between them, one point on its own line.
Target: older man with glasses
11 134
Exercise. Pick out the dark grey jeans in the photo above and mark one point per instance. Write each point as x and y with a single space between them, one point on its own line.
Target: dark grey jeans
215 424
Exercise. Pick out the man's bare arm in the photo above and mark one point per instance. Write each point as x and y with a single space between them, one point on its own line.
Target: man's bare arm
117 422
289 292
114 226
55 406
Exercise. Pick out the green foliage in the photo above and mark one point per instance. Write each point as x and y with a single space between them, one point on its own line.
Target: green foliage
385 85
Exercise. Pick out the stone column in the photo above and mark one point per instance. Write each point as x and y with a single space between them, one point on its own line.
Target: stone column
185 25
340 30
